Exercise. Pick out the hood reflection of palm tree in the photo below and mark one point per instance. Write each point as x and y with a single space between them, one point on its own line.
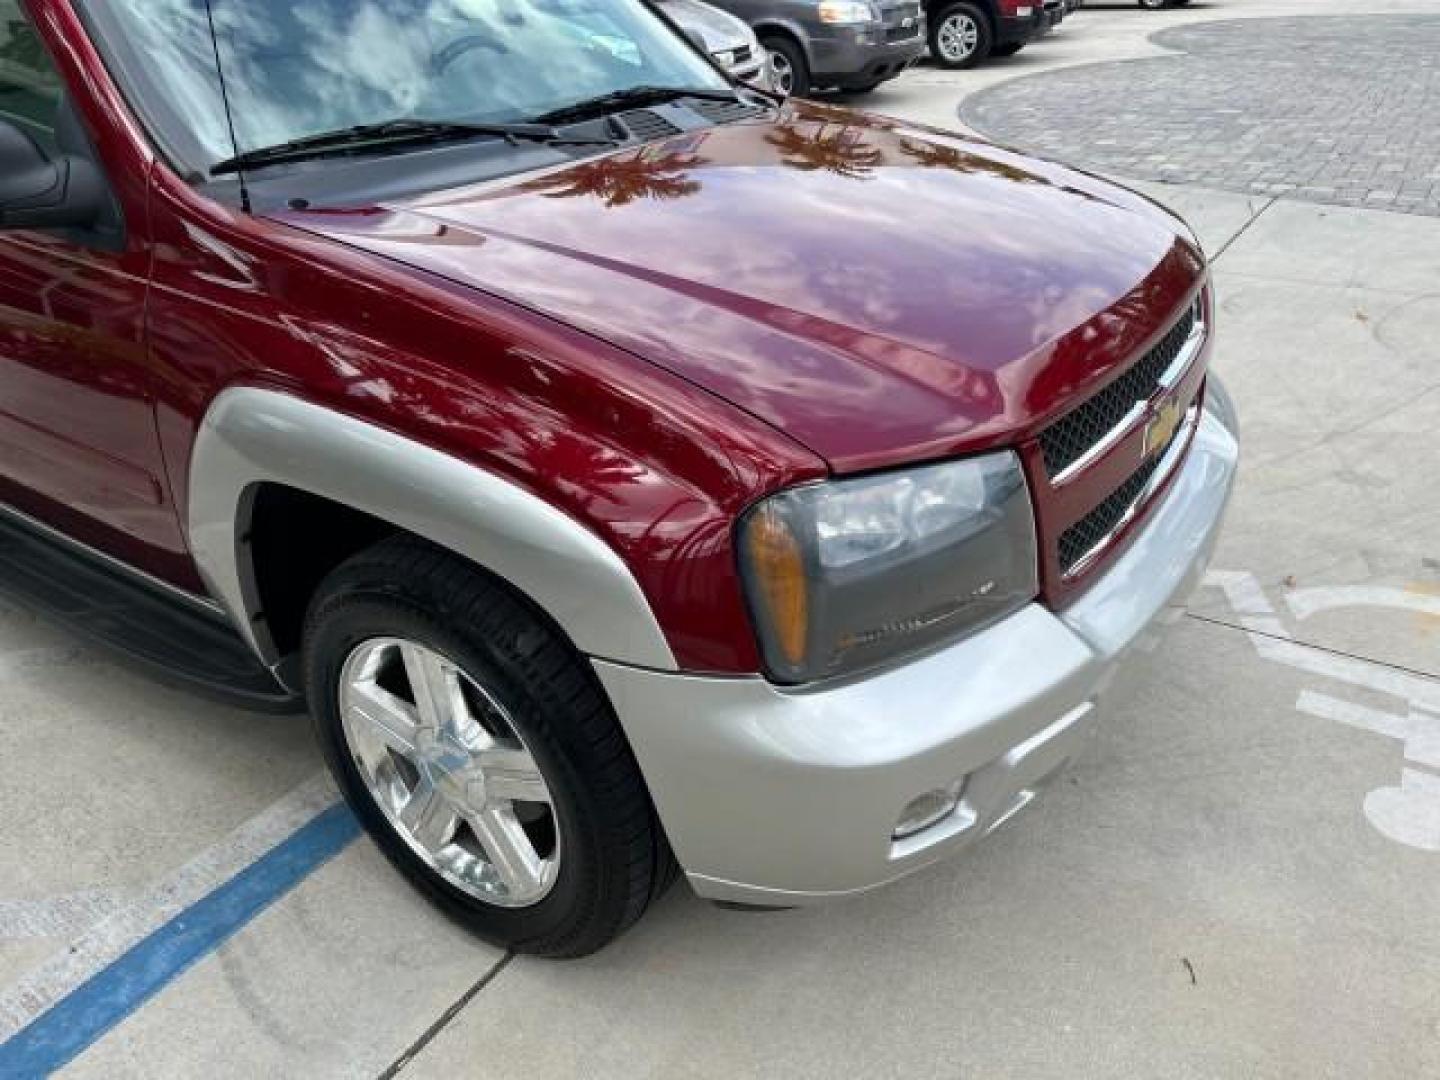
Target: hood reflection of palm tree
621 180
936 156
837 148
930 155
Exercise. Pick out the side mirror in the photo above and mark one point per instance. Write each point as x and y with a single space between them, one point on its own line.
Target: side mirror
38 193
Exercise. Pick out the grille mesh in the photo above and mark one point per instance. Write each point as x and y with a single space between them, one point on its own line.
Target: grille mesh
895 16
1064 442
1081 538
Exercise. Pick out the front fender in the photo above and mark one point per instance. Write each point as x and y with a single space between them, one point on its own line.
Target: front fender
252 436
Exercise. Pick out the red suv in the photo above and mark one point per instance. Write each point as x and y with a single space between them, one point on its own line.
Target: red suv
628 471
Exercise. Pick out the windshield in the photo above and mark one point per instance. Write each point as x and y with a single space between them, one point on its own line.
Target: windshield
295 68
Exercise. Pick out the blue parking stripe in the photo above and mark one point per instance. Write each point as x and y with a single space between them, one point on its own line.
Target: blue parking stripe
93 1008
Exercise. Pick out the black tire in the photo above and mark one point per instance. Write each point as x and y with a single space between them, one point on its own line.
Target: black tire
984 36
614 856
794 57
1008 49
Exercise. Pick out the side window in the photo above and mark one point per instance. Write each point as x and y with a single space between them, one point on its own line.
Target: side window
29 84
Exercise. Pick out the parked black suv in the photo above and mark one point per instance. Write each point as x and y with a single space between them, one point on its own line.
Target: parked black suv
964 33
844 44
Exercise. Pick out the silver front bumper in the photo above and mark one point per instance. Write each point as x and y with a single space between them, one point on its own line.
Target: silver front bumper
779 797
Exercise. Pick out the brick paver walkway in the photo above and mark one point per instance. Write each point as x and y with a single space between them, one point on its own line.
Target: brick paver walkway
1328 109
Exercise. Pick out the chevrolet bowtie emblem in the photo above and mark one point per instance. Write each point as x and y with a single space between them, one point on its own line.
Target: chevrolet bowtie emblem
1162 427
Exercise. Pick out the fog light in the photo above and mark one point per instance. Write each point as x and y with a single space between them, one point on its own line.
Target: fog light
929 809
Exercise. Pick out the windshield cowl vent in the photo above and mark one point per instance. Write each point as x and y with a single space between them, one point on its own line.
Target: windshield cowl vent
726 112
645 124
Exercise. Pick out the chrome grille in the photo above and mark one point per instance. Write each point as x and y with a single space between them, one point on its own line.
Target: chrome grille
1071 437
1095 527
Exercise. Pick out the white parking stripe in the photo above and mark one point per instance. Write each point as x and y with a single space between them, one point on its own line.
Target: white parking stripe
1264 624
1306 602
1423 745
1417 689
1410 813
57 916
1242 590
1274 642
1357 716
115 934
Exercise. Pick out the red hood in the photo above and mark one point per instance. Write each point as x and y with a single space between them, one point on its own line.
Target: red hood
880 292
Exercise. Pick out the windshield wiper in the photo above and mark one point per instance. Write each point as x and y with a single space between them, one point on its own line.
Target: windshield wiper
396 133
631 97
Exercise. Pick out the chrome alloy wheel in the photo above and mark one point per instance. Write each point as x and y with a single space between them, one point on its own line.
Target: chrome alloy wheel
447 767
782 75
958 37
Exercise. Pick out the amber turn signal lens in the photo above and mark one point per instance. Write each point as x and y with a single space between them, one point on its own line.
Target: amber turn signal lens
778 564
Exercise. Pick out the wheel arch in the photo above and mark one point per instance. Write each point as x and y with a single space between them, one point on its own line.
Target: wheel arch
785 28
987 8
254 441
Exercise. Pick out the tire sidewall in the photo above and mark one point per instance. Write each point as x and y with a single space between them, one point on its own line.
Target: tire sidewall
795 57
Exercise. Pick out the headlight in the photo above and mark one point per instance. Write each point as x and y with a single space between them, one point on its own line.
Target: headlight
846 12
846 575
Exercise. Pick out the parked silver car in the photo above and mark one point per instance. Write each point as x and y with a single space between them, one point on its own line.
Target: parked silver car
729 40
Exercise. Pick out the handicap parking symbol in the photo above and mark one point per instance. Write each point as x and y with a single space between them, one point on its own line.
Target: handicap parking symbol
1407 812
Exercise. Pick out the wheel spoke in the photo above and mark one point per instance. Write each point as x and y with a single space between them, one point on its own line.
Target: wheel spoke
429 818
512 775
435 686
509 849
393 721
